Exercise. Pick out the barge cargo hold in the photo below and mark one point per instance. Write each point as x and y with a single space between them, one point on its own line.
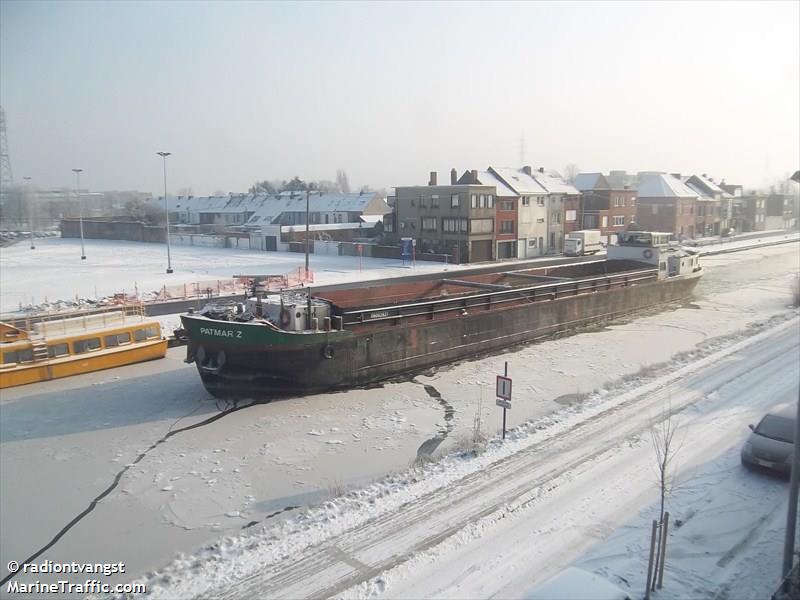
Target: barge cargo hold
335 337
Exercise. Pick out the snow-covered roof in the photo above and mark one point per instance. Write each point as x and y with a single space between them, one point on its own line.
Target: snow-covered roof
501 189
554 183
662 185
372 219
517 180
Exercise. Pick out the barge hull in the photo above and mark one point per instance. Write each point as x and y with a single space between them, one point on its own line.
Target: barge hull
364 357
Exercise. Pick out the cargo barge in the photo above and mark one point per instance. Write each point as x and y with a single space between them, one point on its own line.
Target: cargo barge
334 337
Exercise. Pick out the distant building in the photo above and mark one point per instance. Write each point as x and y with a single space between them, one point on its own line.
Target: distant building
456 219
665 203
607 203
531 227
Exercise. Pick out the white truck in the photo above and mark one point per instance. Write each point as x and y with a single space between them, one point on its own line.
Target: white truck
580 243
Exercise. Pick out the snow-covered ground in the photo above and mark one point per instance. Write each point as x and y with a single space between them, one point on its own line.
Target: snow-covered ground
69 439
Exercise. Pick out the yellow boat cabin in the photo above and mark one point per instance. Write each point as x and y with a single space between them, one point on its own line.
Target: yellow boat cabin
57 347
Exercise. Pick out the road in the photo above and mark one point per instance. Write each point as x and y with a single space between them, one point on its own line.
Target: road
566 487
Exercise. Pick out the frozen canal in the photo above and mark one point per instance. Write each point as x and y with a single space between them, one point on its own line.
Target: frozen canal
64 442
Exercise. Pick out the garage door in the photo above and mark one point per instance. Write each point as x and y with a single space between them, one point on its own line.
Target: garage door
481 250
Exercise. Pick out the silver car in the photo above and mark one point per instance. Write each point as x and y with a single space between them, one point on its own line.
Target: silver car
772 442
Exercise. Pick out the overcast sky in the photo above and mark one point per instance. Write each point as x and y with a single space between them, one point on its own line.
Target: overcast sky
389 92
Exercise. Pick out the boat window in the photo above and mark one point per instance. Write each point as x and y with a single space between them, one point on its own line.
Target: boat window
118 339
82 346
139 335
57 350
152 332
18 356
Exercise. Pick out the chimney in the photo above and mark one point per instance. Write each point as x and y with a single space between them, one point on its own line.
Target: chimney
433 178
453 176
474 176
527 170
541 170
705 176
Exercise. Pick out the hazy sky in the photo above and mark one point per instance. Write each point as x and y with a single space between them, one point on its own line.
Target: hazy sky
246 91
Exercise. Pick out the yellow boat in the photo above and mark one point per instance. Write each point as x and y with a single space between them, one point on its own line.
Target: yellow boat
61 346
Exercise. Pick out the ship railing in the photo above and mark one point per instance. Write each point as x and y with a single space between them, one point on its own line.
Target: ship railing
134 310
488 300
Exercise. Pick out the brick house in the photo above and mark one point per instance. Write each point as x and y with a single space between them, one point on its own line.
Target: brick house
607 203
665 203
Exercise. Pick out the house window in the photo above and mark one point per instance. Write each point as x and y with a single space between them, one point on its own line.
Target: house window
454 203
556 217
474 201
619 221
540 201
540 220
507 205
526 201
429 224
489 201
482 225
604 222
482 201
506 226
571 215
633 220
532 243
422 202
655 209
435 201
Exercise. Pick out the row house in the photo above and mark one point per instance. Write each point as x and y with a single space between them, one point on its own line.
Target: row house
560 195
456 219
532 211
607 203
714 206
665 203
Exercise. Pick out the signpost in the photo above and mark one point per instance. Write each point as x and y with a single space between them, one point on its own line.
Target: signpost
503 390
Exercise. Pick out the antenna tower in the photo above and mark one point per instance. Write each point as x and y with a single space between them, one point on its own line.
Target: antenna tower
6 176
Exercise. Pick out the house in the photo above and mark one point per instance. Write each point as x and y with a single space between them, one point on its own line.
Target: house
531 227
506 214
607 203
714 206
456 219
559 195
665 203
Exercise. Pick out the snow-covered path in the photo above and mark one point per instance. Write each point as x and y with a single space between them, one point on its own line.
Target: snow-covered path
516 514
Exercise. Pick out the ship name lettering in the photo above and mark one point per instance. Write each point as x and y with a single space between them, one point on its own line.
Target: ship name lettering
220 332
379 314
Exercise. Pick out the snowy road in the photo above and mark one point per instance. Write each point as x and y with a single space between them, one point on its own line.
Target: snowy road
519 512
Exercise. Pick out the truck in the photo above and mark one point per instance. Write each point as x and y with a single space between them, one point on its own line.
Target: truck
580 243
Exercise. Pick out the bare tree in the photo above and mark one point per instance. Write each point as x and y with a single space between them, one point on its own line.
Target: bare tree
570 172
341 179
666 447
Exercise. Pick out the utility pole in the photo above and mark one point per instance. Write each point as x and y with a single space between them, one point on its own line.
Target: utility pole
80 207
794 483
164 156
307 211
28 201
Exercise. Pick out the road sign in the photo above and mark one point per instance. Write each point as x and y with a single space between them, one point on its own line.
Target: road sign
504 403
504 387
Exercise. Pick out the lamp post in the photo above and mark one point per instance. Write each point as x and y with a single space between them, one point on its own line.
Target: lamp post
80 207
30 209
164 156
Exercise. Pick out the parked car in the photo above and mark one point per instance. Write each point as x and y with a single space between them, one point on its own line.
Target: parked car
771 444
576 584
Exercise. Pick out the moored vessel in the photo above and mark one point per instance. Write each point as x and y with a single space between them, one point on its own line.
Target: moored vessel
55 346
302 341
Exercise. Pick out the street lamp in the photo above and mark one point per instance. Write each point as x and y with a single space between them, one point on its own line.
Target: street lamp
164 156
80 207
30 209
